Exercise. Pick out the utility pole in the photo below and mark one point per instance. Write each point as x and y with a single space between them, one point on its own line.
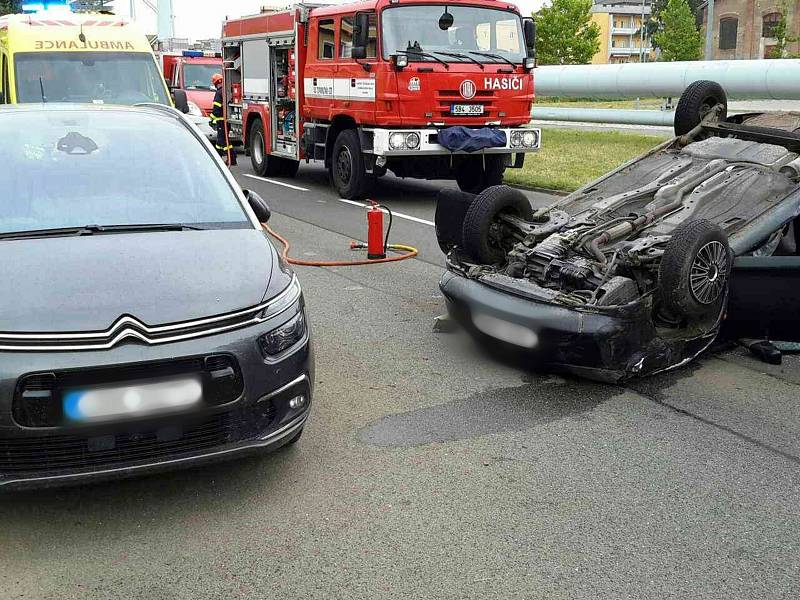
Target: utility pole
710 30
165 20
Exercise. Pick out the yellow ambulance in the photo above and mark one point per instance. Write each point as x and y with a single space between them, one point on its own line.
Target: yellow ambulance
77 57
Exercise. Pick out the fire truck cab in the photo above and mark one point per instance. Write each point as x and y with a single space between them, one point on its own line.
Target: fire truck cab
191 71
372 86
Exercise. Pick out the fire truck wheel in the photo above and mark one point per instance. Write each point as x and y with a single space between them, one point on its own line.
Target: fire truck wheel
480 172
263 164
347 169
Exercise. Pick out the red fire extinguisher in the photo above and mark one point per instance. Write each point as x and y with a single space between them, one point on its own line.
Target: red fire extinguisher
376 246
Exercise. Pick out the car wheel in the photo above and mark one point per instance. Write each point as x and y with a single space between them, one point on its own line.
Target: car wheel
474 175
696 102
347 169
451 209
263 164
482 233
695 270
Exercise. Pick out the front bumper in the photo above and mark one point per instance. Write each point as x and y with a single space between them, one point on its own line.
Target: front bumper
429 145
202 125
259 418
608 345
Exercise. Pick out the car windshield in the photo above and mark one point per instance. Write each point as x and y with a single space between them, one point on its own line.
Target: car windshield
108 167
474 32
98 77
198 77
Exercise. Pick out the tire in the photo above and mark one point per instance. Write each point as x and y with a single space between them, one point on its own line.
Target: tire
687 287
695 102
479 241
347 166
263 164
451 209
473 177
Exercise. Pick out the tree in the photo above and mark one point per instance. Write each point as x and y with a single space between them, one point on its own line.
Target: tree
781 35
679 38
657 7
565 33
9 7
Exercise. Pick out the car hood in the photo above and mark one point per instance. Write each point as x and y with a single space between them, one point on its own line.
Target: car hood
72 284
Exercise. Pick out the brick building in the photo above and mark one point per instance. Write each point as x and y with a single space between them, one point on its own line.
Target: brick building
744 28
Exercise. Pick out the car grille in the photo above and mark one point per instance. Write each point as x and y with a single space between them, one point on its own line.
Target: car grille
128 328
446 98
40 455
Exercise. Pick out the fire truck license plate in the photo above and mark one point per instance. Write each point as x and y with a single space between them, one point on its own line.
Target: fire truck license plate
466 109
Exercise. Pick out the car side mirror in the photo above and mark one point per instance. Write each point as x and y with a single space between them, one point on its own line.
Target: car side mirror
259 206
181 101
529 29
360 36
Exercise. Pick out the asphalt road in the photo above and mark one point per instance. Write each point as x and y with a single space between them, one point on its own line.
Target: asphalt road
431 470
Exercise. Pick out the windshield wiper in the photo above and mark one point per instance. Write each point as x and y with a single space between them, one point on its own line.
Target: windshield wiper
417 53
458 55
93 229
495 56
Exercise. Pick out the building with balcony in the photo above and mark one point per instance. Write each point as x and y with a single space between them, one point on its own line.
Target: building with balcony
745 29
621 36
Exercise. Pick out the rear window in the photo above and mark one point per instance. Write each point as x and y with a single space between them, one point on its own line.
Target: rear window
108 167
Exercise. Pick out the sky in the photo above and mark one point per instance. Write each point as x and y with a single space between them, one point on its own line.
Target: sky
200 19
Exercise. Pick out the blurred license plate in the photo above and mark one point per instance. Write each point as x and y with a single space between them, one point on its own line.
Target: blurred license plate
466 109
142 399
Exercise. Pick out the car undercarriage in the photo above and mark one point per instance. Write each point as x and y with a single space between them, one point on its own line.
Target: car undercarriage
658 236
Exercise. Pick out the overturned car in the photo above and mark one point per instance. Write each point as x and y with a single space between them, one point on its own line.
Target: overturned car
639 271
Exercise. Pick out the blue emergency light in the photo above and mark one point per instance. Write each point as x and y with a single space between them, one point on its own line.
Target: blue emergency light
34 7
193 53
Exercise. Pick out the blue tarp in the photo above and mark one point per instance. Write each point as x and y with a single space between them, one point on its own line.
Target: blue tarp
465 139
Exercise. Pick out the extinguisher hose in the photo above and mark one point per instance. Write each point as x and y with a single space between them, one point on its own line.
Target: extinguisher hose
409 252
388 229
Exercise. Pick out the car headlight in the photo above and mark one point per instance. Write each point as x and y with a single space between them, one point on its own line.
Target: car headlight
404 140
524 139
284 337
397 141
194 110
282 301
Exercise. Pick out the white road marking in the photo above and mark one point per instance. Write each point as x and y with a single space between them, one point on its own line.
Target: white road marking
395 214
353 202
288 185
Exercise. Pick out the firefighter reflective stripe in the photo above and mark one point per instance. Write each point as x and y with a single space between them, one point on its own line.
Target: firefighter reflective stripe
223 148
216 119
219 104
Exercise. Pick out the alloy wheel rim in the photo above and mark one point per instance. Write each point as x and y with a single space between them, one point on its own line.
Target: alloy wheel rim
708 274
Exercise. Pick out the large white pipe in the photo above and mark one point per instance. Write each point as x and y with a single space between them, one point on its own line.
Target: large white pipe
165 20
764 79
662 118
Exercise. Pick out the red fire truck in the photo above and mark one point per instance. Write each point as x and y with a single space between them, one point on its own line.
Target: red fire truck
191 71
371 86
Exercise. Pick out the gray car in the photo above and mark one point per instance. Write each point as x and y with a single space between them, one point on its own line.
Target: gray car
147 321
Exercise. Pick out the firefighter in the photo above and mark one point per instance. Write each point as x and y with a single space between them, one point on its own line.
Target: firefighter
218 122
